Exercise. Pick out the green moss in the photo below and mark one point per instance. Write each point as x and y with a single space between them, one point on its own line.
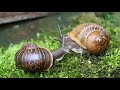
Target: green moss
73 65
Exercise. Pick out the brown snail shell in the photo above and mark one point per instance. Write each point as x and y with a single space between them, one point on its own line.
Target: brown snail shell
91 37
33 58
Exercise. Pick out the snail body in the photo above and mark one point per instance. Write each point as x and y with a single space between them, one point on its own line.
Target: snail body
91 37
33 58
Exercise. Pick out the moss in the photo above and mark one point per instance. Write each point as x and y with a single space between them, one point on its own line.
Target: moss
73 65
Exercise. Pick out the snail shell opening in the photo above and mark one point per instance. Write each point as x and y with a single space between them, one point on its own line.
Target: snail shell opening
33 58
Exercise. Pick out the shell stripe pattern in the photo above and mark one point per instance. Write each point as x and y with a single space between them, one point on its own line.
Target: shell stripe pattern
81 32
34 57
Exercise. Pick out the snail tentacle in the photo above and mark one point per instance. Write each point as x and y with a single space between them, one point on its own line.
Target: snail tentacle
59 53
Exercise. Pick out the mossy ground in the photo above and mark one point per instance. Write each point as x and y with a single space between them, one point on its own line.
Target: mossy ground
73 65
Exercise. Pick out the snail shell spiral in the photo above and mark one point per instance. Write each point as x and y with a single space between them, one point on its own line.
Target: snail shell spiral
91 37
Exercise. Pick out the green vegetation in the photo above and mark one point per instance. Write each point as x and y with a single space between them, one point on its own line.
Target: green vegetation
73 65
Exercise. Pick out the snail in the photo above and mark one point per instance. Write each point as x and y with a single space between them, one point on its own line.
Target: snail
87 38
31 57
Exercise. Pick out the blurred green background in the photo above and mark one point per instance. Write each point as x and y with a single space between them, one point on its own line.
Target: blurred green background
25 30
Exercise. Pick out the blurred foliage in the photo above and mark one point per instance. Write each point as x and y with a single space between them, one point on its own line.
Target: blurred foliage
105 65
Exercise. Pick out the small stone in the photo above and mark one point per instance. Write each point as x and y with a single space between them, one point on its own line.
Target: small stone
16 26
89 62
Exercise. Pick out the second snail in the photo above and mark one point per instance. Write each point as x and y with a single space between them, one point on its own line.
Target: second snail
85 38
